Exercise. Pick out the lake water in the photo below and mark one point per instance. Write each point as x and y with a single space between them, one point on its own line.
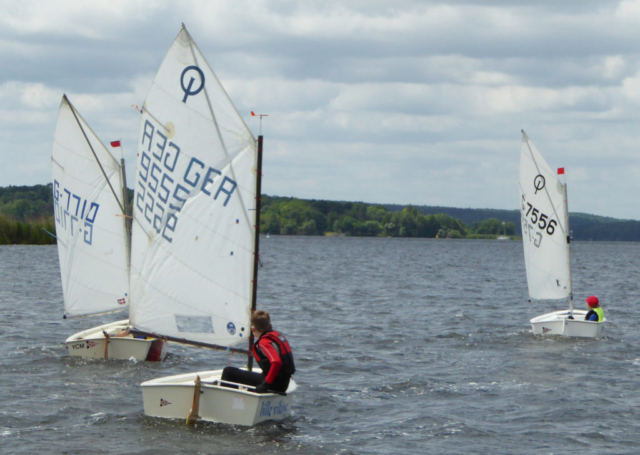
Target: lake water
402 346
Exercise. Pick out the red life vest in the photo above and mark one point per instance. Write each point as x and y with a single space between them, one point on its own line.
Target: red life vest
282 347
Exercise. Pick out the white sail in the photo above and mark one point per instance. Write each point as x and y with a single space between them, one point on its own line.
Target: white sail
88 216
193 230
544 226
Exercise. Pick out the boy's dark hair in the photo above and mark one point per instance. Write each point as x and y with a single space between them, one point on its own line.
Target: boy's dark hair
261 321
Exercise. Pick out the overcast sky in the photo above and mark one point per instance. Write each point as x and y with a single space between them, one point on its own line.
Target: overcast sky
403 101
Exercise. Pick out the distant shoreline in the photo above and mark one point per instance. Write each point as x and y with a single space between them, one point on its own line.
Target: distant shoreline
27 211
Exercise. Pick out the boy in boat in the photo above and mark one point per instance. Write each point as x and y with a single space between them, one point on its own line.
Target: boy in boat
596 313
273 354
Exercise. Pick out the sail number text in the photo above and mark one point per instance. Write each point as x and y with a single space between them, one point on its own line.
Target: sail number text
540 219
534 221
162 191
72 211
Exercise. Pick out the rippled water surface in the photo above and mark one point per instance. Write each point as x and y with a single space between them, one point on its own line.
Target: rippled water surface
402 346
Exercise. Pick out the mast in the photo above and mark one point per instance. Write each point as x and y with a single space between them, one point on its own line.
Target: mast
566 223
127 220
256 248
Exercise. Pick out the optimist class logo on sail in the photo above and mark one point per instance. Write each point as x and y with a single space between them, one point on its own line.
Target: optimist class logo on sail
187 90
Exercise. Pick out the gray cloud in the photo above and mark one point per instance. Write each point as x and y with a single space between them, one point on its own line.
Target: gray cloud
400 102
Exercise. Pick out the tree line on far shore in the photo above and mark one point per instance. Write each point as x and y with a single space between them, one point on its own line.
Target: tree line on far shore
26 218
26 214
292 216
30 232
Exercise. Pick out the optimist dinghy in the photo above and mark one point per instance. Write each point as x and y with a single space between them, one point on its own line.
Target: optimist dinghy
194 262
89 200
546 237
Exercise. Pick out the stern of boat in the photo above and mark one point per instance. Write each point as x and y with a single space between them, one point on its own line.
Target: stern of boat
173 396
91 343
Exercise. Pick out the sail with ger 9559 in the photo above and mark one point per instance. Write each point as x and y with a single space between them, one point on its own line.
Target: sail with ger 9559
195 236
194 217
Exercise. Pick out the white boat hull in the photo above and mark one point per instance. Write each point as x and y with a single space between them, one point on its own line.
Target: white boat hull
91 343
172 397
557 323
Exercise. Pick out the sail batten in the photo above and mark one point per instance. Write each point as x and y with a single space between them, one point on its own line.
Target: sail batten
544 226
192 230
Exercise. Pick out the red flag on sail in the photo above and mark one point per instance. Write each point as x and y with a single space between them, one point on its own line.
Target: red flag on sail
560 171
115 143
253 114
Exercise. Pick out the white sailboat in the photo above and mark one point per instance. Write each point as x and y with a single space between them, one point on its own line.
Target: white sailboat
89 204
504 236
546 237
195 237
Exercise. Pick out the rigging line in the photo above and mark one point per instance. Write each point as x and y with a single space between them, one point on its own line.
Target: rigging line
52 235
254 265
200 344
78 156
221 86
82 156
193 45
144 108
73 110
56 162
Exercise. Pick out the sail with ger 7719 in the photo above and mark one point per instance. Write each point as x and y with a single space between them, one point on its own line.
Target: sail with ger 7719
546 237
195 237
89 200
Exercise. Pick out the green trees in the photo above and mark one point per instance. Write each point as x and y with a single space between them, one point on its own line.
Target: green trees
290 216
14 232
495 227
25 211
23 203
450 228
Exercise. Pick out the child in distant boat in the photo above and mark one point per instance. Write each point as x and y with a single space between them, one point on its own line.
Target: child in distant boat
595 313
122 333
273 354
125 333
